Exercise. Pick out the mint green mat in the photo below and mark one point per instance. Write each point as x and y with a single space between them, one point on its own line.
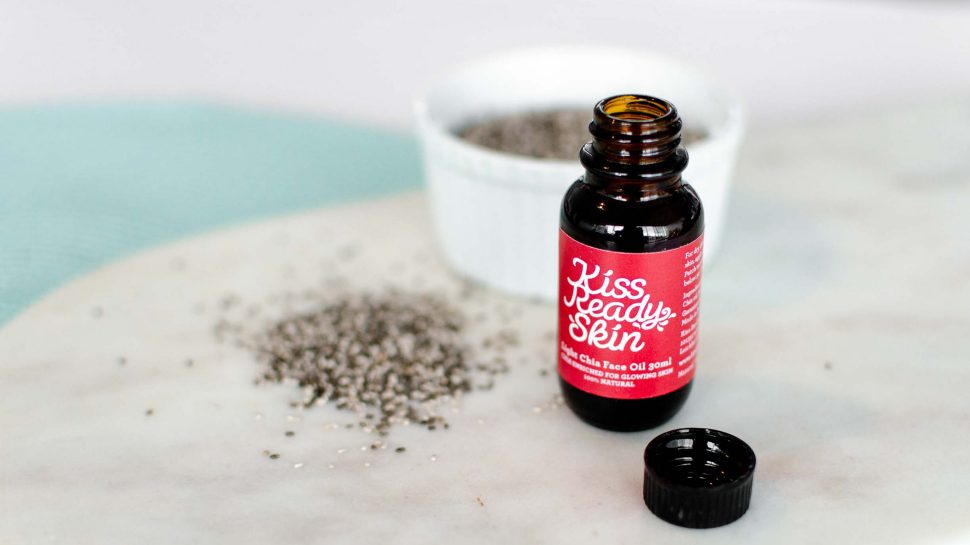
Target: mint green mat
84 184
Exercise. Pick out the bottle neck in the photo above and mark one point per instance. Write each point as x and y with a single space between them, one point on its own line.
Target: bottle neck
636 151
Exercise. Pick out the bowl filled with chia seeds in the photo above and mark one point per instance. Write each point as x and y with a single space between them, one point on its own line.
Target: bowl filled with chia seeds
501 139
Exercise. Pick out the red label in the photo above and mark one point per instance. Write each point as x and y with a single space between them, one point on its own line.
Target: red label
628 321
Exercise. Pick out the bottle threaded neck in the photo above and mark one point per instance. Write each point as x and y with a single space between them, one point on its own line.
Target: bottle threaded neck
636 138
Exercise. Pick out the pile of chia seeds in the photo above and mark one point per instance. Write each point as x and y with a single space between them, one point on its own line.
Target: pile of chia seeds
390 358
550 134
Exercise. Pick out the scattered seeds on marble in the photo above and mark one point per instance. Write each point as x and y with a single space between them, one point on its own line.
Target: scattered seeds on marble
399 450
391 358
149 412
289 433
298 465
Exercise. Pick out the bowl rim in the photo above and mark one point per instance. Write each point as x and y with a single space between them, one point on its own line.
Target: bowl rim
434 130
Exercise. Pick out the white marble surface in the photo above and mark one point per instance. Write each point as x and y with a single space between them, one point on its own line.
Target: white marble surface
834 339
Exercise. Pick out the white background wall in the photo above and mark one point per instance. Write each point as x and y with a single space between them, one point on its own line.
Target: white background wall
792 60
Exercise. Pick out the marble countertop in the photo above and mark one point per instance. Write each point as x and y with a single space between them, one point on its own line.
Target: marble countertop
834 340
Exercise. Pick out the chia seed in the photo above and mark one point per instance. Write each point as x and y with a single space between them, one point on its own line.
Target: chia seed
391 358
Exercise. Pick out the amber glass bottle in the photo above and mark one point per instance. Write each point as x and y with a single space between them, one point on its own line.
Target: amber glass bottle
630 255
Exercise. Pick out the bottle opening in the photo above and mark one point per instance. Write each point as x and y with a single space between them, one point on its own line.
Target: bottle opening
636 108
635 136
635 116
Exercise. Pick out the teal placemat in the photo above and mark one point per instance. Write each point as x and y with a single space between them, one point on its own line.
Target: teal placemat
81 185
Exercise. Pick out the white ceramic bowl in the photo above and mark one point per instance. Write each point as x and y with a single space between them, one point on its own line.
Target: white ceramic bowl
497 214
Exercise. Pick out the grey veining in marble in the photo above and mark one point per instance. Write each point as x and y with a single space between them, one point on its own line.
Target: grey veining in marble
835 333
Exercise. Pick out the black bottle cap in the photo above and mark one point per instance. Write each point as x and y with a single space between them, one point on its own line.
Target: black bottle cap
698 477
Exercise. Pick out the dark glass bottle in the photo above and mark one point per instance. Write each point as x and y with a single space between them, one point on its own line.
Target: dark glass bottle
630 202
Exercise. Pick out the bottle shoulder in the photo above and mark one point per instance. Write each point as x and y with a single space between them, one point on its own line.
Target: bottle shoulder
671 219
